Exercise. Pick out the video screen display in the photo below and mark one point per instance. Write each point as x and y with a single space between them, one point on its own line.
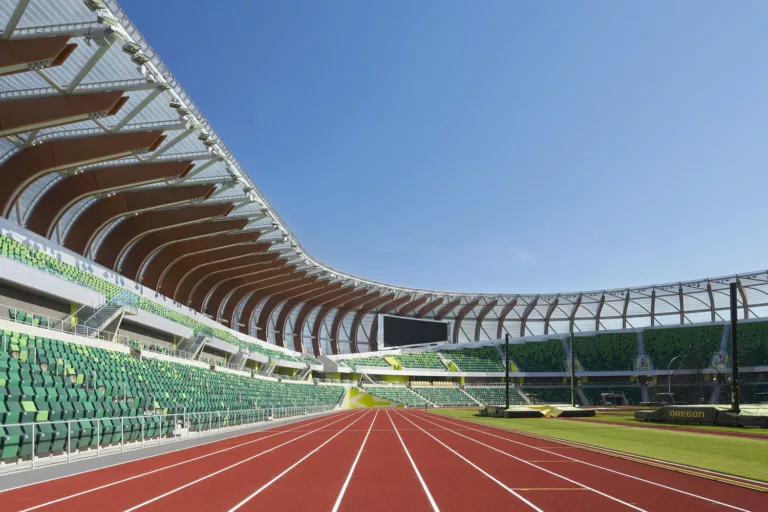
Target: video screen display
398 331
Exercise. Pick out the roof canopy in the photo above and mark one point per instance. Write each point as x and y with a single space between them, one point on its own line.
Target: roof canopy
104 153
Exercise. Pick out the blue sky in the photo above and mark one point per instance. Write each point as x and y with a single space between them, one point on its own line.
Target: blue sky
492 146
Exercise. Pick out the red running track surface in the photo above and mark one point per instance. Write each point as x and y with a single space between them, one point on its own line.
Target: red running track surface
383 460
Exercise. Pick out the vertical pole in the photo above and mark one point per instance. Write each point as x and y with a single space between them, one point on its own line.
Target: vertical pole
573 374
69 441
734 349
33 446
506 368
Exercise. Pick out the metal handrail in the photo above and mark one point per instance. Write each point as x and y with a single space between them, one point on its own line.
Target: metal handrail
59 325
206 423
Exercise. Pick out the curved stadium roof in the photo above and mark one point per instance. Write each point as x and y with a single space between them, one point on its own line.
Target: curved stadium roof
104 153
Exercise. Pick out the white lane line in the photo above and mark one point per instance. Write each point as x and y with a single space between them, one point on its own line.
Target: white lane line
188 484
603 468
260 489
140 475
415 468
354 465
544 437
574 482
481 470
212 443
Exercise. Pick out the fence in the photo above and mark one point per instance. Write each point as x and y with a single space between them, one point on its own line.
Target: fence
44 443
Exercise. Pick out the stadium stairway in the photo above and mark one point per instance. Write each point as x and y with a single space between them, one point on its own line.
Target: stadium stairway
470 396
444 396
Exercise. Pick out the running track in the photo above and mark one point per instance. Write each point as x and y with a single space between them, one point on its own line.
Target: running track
382 460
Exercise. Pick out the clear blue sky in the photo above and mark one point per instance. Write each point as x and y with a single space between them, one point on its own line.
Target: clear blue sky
492 146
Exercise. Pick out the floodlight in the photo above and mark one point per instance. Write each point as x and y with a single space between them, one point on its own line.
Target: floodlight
164 86
184 111
95 5
203 135
110 34
210 142
106 18
174 103
140 59
131 48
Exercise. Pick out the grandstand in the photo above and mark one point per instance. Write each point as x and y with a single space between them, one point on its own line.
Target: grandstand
397 393
444 395
606 352
753 343
482 359
548 394
495 395
362 362
540 356
423 360
693 346
51 380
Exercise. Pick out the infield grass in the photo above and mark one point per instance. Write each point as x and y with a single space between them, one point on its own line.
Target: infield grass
627 418
739 456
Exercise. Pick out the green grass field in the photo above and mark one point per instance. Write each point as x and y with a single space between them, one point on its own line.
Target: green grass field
733 455
627 418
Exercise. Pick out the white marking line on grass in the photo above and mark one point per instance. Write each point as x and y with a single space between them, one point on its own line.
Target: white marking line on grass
134 477
416 469
617 500
544 437
354 465
188 484
278 477
601 467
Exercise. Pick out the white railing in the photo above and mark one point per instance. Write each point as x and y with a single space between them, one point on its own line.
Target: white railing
59 325
65 326
79 439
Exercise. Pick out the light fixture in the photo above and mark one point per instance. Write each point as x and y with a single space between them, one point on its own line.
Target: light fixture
140 59
203 135
184 111
175 103
105 18
131 48
95 5
210 142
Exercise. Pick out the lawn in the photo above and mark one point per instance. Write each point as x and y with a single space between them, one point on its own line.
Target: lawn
627 418
733 455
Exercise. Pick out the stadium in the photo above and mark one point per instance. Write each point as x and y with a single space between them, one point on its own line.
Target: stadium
169 344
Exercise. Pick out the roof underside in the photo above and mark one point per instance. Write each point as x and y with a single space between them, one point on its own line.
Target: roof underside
104 153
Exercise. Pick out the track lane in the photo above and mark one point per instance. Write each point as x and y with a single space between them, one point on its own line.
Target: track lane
318 479
224 488
535 483
455 484
647 486
57 492
384 477
133 492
